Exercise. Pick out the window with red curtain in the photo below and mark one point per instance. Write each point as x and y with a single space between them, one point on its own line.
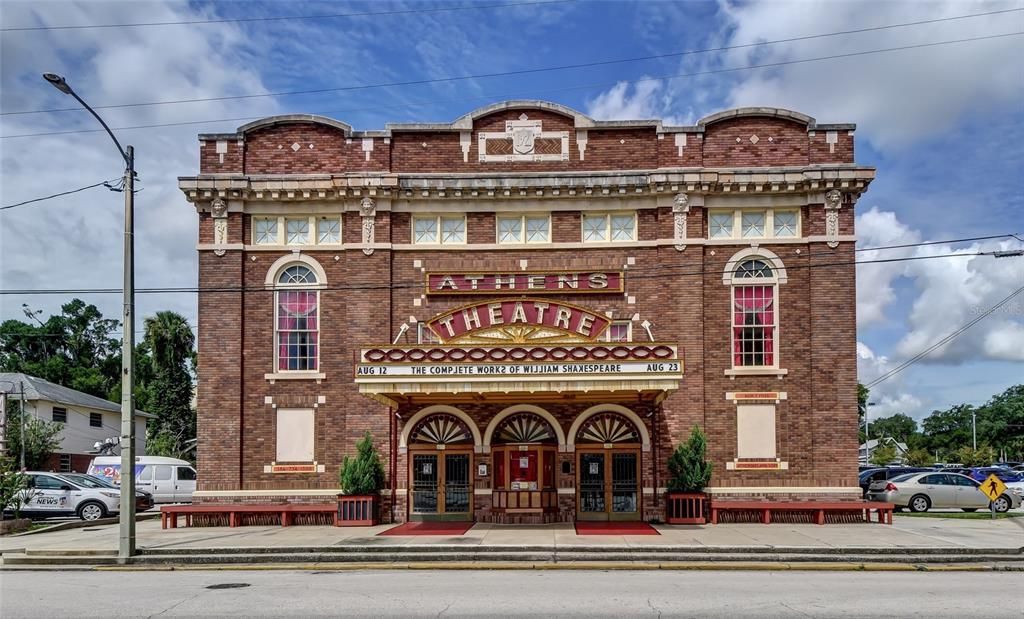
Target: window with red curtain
298 325
753 317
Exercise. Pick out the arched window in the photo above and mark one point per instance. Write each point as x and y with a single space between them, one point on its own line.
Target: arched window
754 315
297 324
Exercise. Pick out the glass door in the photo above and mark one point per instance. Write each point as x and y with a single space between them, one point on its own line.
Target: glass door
592 503
456 484
608 485
424 483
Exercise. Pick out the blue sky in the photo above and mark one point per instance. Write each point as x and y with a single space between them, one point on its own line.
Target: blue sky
944 125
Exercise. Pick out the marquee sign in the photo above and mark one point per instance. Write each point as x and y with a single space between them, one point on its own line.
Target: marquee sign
551 314
672 367
530 282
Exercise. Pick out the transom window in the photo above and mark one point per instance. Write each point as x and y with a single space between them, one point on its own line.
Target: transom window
524 228
753 224
297 325
754 315
296 230
605 227
443 229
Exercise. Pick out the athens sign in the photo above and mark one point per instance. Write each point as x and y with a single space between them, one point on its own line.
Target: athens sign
530 282
554 315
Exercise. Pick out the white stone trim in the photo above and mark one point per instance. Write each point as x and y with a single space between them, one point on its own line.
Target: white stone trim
764 253
524 408
755 371
571 491
645 438
785 490
295 375
482 491
294 257
409 424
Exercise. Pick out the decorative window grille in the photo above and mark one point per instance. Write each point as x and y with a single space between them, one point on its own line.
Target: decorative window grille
297 231
753 224
720 225
446 230
524 229
328 231
786 224
603 227
265 231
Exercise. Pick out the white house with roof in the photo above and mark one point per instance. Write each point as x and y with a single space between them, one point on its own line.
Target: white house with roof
86 419
868 449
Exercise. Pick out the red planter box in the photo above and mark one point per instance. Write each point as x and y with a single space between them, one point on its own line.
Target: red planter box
685 508
358 510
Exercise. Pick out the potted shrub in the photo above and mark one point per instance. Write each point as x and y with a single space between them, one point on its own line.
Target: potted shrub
689 475
361 479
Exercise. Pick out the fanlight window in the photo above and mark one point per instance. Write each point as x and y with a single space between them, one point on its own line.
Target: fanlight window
525 428
754 269
441 429
297 328
608 428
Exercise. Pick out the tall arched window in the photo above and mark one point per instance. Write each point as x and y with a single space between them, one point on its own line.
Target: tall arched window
297 324
754 315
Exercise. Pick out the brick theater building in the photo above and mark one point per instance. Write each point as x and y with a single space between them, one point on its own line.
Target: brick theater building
527 309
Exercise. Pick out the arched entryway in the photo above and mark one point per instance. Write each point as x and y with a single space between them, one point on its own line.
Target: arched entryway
440 448
608 451
524 450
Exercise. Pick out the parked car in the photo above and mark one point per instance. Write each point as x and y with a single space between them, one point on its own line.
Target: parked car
981 473
169 480
923 491
882 473
49 494
143 499
1008 465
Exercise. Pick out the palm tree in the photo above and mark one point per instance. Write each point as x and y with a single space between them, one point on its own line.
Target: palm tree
171 342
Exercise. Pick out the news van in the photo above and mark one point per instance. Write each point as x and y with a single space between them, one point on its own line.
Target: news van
169 480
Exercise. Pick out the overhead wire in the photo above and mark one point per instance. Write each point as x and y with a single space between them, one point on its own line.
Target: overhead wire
945 340
108 184
564 67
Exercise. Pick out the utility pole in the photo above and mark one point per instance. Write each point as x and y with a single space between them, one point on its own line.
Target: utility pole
3 422
974 428
21 419
126 546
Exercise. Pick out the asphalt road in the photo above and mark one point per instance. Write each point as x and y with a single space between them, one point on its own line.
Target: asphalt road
726 594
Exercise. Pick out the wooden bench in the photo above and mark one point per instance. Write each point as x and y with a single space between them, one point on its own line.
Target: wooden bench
285 512
818 508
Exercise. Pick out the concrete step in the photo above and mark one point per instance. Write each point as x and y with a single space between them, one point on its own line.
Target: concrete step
428 549
549 557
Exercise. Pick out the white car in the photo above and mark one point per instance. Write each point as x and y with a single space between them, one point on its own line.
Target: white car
49 495
922 491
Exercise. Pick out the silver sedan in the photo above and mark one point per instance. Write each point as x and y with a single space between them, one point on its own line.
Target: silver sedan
923 491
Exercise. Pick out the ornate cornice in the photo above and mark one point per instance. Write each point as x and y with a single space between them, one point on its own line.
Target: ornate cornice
700 181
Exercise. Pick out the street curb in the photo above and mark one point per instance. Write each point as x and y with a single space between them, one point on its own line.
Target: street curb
579 565
80 524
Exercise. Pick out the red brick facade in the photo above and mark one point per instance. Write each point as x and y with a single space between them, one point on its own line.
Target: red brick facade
755 160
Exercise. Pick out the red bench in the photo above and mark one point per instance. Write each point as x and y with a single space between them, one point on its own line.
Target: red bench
817 508
286 513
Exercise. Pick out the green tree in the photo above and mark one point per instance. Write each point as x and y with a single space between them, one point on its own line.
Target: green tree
42 438
74 348
13 484
883 454
364 474
899 426
170 343
982 456
919 457
688 467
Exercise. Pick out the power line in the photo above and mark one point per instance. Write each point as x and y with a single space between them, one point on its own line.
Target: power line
896 370
57 195
419 283
528 71
195 22
535 92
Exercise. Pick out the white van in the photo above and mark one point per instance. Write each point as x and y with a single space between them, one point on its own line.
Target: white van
169 480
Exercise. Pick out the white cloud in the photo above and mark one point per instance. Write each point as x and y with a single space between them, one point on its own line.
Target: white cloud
950 291
75 241
890 397
895 97
646 99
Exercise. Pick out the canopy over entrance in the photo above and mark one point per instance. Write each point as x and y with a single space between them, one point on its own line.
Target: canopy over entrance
514 350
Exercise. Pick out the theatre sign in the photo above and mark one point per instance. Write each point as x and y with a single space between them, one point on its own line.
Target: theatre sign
525 282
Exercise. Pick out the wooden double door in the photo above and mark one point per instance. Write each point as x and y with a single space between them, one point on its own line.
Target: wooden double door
608 484
441 487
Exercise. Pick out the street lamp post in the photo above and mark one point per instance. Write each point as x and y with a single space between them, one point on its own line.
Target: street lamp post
974 429
126 547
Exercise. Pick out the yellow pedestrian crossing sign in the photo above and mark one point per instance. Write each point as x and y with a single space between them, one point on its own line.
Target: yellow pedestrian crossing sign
993 487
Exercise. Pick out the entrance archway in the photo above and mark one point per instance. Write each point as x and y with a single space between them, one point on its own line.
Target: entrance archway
440 448
524 455
608 457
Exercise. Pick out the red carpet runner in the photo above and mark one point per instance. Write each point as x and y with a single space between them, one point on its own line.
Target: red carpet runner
429 528
615 528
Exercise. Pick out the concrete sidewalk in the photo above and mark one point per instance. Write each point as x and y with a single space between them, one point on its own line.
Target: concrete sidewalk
906 533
